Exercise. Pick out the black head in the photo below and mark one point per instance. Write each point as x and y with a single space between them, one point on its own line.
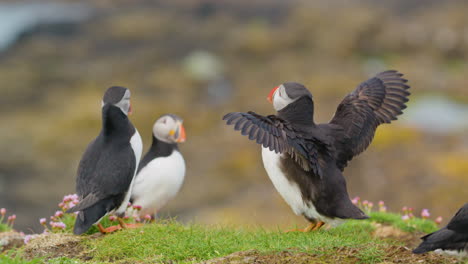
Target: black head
119 97
287 93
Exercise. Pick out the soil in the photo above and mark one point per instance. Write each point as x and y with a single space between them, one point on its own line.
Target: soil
54 246
394 254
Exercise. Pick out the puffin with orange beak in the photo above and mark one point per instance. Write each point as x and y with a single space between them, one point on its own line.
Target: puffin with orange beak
162 169
305 160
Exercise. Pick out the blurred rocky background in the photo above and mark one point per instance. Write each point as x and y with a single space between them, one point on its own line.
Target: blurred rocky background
202 59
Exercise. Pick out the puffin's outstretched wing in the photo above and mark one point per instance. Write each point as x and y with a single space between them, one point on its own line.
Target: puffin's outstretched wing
459 222
277 135
378 100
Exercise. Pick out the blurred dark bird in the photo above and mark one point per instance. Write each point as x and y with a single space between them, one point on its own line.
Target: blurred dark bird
305 160
108 166
451 239
162 170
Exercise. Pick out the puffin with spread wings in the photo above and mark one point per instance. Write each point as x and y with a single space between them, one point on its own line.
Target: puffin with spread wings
305 160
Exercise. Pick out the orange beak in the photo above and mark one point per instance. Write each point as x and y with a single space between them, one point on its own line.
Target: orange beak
182 136
130 110
270 95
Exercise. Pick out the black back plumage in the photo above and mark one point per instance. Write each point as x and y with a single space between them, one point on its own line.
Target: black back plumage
454 236
106 169
318 153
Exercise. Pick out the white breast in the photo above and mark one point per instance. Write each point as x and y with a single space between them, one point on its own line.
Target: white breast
137 146
453 253
290 190
158 182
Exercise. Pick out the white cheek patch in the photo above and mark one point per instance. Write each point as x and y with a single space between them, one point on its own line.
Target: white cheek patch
161 130
124 105
281 99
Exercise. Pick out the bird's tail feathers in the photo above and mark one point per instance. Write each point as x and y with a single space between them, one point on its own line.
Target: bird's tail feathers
91 215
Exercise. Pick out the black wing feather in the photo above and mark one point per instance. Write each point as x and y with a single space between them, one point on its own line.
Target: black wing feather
103 172
277 135
376 101
459 222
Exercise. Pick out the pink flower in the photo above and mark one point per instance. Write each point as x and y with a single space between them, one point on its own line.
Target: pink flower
404 209
370 205
11 220
405 217
438 220
61 225
42 221
58 214
148 217
425 213
58 225
137 207
27 238
112 218
3 211
365 202
356 200
381 203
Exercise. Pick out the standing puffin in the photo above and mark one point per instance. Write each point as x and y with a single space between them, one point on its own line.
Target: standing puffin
305 160
108 166
162 170
451 240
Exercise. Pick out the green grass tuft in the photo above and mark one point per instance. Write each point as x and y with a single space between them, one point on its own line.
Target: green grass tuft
4 227
173 241
412 225
6 259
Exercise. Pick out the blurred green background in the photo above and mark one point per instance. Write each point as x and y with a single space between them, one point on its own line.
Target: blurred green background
202 59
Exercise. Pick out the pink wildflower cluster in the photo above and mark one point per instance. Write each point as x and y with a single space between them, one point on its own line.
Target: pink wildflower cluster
69 201
425 214
135 214
364 205
28 238
407 212
10 219
56 221
382 207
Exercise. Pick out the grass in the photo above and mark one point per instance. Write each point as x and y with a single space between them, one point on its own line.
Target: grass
7 259
412 225
173 241
4 227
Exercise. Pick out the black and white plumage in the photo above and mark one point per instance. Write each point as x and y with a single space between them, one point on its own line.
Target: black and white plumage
305 160
108 166
451 239
162 170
